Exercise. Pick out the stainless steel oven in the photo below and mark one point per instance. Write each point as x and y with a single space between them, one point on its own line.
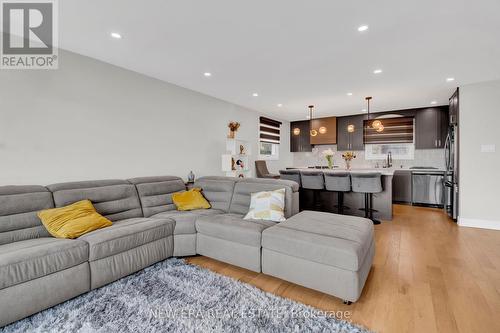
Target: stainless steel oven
428 188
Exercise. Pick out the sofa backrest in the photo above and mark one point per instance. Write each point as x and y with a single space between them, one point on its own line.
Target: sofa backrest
217 190
243 189
114 198
18 208
155 193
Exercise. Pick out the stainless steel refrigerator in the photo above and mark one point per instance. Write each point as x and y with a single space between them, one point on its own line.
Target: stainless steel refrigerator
451 184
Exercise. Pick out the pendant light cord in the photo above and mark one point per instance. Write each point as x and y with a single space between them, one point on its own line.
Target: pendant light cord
368 107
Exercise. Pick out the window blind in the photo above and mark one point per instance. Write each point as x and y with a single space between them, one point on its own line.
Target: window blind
396 130
269 130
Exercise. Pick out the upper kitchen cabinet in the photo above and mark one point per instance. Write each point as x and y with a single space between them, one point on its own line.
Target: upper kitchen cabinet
299 136
454 108
431 127
325 130
350 132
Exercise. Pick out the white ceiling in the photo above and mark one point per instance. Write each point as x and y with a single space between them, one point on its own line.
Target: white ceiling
295 52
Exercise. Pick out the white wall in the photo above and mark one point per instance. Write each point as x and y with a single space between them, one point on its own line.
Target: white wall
479 182
92 120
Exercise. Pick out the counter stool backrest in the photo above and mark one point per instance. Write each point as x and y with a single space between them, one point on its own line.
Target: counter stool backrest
366 182
312 180
293 175
337 181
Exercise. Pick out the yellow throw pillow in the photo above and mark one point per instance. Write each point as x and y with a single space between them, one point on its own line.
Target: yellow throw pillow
189 200
73 221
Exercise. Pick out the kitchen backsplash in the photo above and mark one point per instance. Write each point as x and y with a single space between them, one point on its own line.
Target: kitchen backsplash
423 157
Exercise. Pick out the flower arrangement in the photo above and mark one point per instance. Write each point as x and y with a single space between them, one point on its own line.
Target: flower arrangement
233 128
348 156
328 154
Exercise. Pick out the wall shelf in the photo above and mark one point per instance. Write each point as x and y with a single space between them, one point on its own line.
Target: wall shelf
235 163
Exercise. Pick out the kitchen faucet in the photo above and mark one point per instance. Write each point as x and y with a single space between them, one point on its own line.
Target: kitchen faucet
389 159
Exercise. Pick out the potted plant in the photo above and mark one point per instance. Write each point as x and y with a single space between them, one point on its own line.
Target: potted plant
348 156
328 154
233 128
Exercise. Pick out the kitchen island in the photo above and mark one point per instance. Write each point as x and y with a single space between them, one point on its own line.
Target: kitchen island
381 201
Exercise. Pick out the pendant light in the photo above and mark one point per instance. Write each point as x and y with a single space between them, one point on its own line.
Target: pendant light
312 132
376 124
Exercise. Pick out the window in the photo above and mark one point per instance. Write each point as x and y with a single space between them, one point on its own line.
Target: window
269 151
399 151
269 138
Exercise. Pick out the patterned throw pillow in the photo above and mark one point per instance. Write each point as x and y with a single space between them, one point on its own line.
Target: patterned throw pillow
267 205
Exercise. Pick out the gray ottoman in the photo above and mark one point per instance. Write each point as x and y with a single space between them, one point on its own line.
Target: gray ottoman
328 252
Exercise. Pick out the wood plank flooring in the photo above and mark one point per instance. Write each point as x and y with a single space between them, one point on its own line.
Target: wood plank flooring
428 275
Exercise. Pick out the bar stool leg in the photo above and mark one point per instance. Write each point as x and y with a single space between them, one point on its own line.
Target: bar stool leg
367 205
372 210
340 202
316 198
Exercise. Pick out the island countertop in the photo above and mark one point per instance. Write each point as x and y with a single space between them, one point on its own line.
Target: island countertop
382 171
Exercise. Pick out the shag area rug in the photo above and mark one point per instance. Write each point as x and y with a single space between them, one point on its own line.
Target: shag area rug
174 296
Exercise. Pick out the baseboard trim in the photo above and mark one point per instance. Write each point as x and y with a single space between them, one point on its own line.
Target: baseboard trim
477 223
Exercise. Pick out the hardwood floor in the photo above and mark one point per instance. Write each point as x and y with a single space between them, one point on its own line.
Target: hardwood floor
428 275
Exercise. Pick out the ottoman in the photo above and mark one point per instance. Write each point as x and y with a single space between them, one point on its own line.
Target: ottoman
327 252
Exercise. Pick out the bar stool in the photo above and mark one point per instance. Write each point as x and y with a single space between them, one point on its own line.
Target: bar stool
339 182
367 183
313 180
292 174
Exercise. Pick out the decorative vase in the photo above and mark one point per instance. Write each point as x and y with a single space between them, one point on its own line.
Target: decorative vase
191 177
231 134
348 164
330 163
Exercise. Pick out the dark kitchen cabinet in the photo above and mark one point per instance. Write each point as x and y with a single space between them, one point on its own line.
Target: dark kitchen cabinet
353 140
454 108
401 186
326 131
299 136
431 127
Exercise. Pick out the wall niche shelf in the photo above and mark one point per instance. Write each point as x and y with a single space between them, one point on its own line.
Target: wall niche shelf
235 161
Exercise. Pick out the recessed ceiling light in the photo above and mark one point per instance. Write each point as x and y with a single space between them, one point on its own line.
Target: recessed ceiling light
255 95
377 71
116 35
207 74
349 94
434 103
450 79
280 105
363 28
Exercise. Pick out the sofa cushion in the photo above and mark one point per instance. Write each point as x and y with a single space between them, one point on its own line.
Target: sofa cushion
185 220
18 208
34 258
243 190
155 193
233 227
73 220
267 205
125 235
190 200
331 239
114 198
217 190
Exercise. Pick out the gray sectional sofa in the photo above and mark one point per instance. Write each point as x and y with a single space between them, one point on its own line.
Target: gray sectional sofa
38 271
